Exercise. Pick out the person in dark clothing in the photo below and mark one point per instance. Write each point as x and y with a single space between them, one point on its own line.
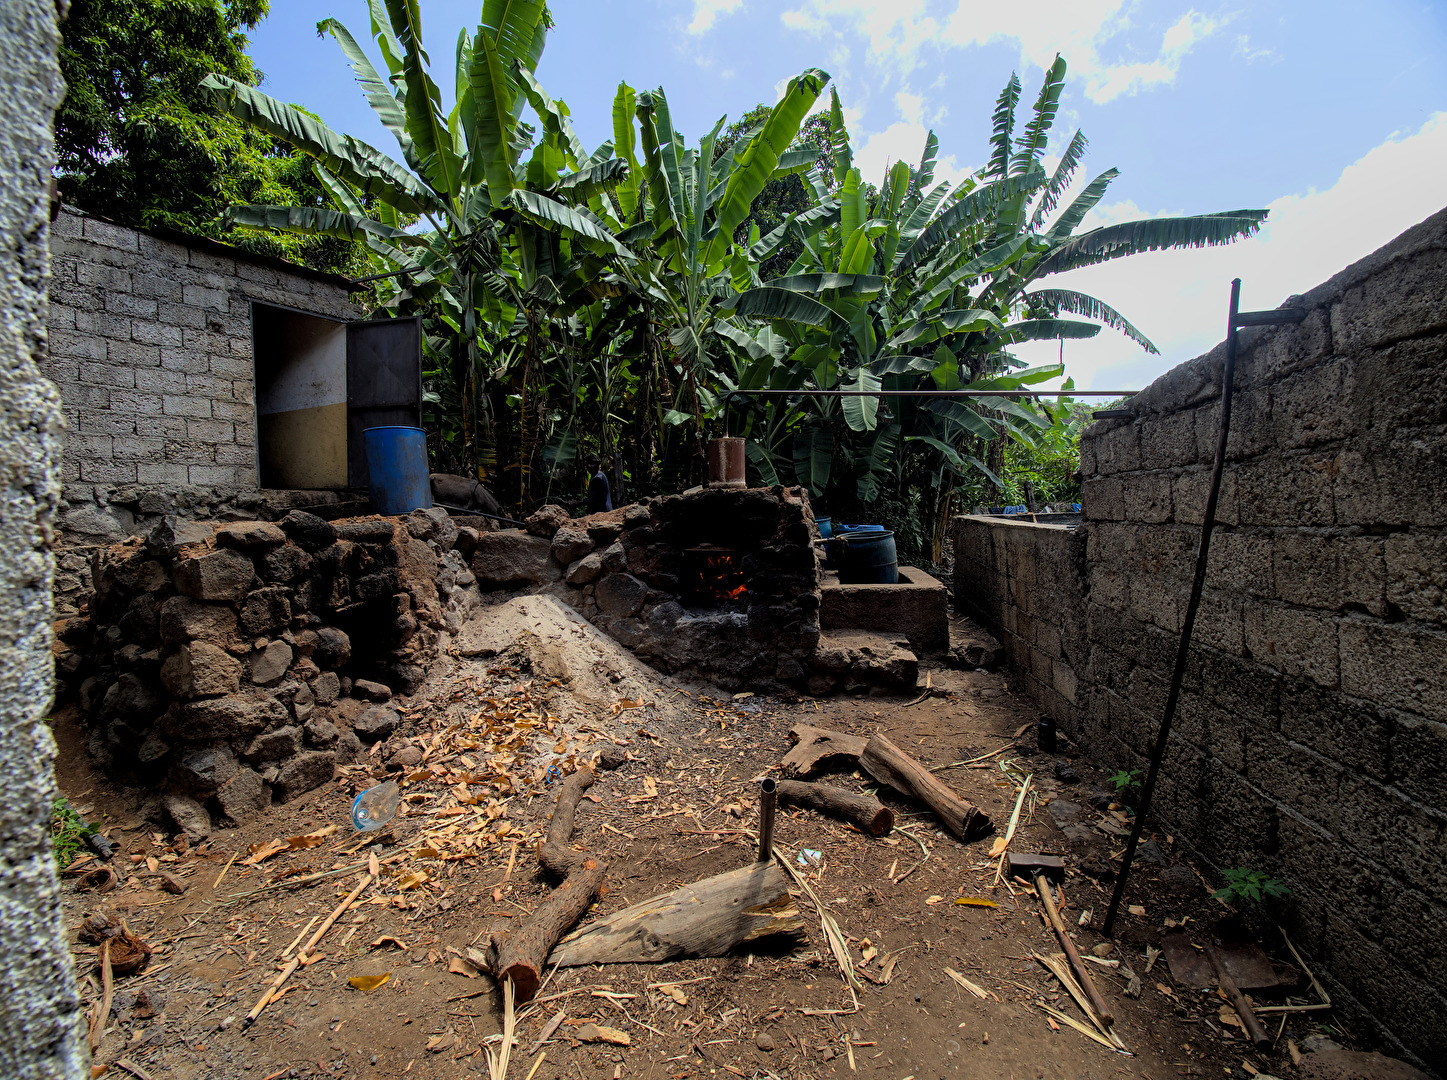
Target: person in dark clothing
600 493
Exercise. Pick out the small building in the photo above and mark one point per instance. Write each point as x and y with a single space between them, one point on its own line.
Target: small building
206 382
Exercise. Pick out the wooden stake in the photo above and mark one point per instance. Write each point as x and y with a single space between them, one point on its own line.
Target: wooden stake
1258 1034
296 961
108 986
1042 889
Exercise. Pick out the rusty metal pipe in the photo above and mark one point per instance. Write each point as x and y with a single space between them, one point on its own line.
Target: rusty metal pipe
768 799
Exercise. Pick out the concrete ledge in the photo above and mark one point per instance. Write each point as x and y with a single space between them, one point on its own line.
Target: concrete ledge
916 608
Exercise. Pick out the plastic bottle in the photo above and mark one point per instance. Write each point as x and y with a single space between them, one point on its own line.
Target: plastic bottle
376 806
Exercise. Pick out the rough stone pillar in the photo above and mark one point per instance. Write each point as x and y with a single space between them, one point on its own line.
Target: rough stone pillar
40 1022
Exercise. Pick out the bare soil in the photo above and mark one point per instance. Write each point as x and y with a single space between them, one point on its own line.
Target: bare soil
678 810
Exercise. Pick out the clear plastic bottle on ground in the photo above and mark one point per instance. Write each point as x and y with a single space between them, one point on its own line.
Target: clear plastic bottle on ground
376 806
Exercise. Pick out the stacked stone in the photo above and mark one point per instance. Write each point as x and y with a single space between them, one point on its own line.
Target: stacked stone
624 572
214 665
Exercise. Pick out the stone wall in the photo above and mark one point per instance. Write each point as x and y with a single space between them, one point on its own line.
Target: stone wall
41 1033
1311 739
627 572
1026 583
227 668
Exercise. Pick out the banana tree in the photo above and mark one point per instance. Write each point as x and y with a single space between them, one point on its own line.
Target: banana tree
498 232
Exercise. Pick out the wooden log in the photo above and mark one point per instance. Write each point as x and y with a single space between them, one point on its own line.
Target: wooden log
871 815
818 747
1258 1034
890 765
712 917
523 953
555 853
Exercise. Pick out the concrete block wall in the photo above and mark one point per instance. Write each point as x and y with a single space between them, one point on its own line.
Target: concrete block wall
1311 739
150 345
1026 582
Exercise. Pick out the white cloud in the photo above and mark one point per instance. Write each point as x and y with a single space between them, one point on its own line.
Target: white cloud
706 12
1178 298
903 141
896 31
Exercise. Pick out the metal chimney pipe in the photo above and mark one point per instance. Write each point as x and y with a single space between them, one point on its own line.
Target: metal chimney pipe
768 798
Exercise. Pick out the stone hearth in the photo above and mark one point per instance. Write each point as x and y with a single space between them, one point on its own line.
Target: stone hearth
657 576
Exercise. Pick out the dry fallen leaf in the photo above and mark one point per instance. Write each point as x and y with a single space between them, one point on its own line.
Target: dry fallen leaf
1136 909
368 982
373 866
412 880
870 952
260 852
386 939
1227 1015
650 787
934 899
591 1033
674 992
998 847
311 839
976 901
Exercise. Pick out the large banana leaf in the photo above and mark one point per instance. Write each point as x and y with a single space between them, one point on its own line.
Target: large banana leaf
813 456
992 261
551 214
350 158
1081 205
839 138
859 412
1031 144
1078 303
1059 179
320 222
801 226
760 458
970 209
1043 330
1152 234
493 128
793 162
768 302
625 103
378 93
860 285
1004 128
943 323
874 464
592 180
755 166
437 157
553 114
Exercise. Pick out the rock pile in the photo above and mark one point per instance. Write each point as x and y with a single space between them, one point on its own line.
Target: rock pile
629 571
229 667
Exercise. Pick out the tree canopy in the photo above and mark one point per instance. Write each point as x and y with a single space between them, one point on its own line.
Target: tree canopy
137 142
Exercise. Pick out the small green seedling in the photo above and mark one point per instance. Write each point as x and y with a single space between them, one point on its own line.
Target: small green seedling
1126 782
68 831
1250 886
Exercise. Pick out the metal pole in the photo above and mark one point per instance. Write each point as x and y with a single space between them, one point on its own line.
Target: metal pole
1228 375
768 798
934 393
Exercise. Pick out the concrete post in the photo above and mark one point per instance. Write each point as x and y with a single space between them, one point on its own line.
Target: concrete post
40 1022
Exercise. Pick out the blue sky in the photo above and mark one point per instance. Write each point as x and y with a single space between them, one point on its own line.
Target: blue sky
1332 114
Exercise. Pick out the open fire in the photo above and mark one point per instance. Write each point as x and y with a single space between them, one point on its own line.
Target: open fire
716 573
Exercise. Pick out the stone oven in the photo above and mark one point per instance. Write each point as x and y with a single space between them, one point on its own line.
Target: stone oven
721 583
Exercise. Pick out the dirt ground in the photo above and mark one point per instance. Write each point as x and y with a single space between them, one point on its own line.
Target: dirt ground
491 725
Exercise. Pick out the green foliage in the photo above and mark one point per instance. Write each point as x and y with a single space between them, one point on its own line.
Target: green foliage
68 831
627 301
136 141
1249 886
1126 781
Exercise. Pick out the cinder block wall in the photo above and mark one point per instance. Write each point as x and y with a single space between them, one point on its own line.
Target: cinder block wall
1311 740
150 345
1026 582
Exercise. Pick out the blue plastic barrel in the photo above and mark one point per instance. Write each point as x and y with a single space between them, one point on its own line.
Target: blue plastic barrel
826 527
397 469
868 558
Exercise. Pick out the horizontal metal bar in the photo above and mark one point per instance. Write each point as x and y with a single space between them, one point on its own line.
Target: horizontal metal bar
1269 318
934 393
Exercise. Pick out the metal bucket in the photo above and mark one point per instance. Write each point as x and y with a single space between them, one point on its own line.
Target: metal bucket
726 463
397 469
